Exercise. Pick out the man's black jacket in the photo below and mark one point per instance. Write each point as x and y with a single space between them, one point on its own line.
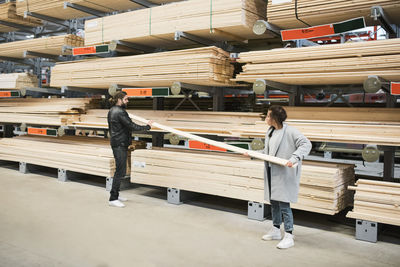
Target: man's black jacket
120 127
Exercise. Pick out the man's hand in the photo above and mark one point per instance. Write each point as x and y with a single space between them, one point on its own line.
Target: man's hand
150 123
246 154
289 164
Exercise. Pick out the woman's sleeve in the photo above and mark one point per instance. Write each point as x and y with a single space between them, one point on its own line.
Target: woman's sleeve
303 147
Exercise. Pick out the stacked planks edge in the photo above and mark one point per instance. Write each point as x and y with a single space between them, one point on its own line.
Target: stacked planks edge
351 125
17 80
285 15
42 111
90 155
55 8
8 14
376 201
201 66
229 20
349 63
323 186
54 45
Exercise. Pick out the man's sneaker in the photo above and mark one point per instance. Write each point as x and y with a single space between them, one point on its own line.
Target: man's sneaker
123 199
116 203
287 241
273 234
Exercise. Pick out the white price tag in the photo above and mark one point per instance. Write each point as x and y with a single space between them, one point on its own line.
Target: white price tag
139 164
277 2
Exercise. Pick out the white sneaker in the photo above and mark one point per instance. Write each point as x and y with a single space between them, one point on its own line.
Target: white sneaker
287 241
123 199
273 234
116 203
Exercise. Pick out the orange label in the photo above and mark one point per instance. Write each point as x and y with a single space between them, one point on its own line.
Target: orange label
395 88
37 131
307 33
5 94
84 50
138 91
199 145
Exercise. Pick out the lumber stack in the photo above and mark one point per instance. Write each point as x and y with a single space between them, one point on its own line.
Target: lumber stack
349 63
91 155
323 186
230 20
202 66
55 8
359 125
376 201
8 14
54 45
17 80
318 12
43 111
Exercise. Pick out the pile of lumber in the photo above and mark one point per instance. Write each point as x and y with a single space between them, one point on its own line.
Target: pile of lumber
17 80
55 8
351 125
230 20
349 63
202 66
54 45
323 186
43 111
8 14
376 201
318 12
91 155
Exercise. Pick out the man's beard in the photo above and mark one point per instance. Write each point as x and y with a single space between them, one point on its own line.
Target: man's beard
123 106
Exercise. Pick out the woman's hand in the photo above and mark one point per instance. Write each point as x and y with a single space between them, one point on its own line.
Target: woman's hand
246 154
289 164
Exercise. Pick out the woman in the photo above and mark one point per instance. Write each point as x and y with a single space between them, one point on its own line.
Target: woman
282 182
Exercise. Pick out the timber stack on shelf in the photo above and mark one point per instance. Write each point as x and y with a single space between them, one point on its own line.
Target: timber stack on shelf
376 201
17 80
8 14
318 12
218 20
384 130
323 186
43 111
55 8
349 63
91 155
202 66
54 45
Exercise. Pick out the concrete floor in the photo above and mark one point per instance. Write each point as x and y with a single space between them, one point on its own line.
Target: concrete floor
44 222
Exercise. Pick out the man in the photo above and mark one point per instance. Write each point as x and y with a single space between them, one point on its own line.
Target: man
120 127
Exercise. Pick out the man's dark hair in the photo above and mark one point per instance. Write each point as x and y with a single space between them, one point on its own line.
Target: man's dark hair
119 95
278 113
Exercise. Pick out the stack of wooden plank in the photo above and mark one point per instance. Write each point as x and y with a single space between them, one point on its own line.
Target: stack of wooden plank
17 80
376 201
323 186
318 12
43 111
230 20
54 45
362 125
8 14
349 63
202 66
89 155
55 8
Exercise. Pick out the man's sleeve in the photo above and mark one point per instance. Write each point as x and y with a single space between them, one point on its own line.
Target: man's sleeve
125 120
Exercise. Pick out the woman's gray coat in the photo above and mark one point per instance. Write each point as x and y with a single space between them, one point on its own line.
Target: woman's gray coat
294 146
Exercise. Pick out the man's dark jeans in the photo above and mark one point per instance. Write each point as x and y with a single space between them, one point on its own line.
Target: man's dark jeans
120 156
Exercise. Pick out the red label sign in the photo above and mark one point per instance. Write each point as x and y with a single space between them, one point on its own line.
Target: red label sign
84 50
395 88
199 145
37 131
138 91
5 94
307 33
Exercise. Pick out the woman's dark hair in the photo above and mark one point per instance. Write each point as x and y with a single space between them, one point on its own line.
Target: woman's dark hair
119 95
278 114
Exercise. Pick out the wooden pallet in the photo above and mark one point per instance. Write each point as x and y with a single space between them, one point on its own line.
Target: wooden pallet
238 177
